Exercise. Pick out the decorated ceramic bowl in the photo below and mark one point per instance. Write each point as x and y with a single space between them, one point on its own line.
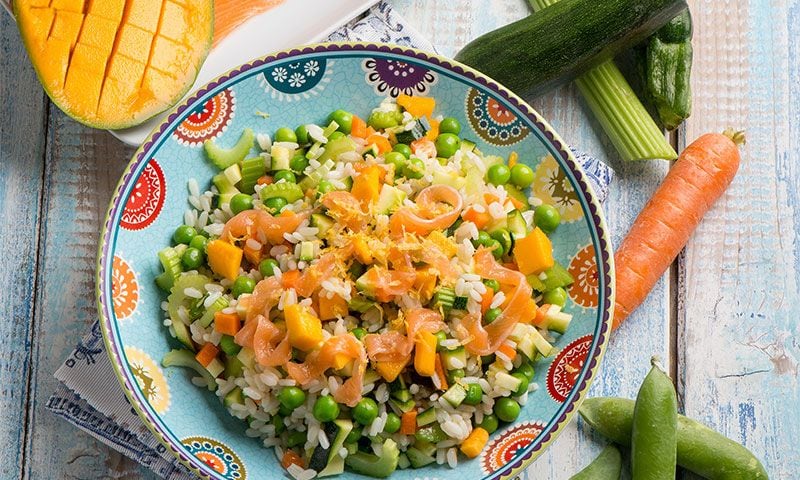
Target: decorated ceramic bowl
293 87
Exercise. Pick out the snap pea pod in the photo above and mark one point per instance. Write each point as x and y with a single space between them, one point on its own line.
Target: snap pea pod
655 422
607 466
699 448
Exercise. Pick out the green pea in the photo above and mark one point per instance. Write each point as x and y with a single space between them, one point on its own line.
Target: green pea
241 202
267 267
454 375
546 217
344 119
402 148
504 239
491 315
275 204
392 424
521 175
506 409
326 409
335 135
199 242
523 384
280 426
286 175
295 438
492 284
450 125
447 144
298 163
354 434
557 296
285 134
184 234
397 159
474 394
301 133
483 240
192 258
365 411
241 285
415 168
526 369
359 333
489 423
498 174
291 397
655 426
325 186
440 337
496 248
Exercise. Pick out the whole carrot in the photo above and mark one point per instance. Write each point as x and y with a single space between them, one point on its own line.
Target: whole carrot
699 177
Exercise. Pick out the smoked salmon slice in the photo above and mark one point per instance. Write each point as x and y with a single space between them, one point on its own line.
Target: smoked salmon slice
438 206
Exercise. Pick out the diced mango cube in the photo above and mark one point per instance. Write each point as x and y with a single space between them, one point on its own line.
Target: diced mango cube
169 56
144 14
108 9
66 26
41 20
304 328
174 22
534 253
126 70
84 88
134 42
89 59
69 5
390 370
97 31
54 71
224 258
425 354
332 308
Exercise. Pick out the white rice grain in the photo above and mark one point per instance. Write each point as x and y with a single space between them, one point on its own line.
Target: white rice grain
194 188
452 458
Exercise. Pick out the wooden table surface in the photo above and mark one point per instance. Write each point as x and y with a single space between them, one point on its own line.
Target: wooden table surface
724 318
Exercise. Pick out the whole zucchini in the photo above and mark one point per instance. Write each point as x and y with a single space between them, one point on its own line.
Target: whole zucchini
554 45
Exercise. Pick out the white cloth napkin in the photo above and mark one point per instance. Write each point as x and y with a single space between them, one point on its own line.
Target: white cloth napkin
89 395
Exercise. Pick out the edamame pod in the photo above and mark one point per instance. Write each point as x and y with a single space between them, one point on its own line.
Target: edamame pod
699 448
655 423
607 466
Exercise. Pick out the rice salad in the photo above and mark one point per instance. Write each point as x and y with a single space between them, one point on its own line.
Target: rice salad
366 294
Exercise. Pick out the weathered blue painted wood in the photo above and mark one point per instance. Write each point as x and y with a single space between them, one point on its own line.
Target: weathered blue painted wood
738 341
83 167
450 25
22 142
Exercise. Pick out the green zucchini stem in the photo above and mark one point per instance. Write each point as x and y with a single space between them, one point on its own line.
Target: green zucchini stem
627 123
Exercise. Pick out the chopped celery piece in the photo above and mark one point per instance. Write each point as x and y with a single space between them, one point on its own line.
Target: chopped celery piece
208 315
178 297
336 147
631 129
313 178
291 192
223 158
185 358
225 188
332 127
252 169
171 261
306 251
281 157
233 174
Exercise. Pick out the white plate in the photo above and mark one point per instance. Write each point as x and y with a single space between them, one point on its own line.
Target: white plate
294 22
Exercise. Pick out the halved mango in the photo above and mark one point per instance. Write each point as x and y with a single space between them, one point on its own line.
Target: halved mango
116 63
